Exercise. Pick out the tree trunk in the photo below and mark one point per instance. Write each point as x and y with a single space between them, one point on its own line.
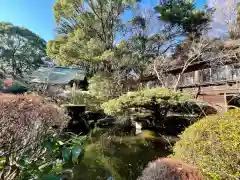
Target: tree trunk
157 113
177 82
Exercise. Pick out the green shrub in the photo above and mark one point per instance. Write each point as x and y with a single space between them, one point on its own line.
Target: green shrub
60 156
213 145
79 97
156 102
104 86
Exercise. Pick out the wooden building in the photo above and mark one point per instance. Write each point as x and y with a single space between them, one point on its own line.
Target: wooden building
216 83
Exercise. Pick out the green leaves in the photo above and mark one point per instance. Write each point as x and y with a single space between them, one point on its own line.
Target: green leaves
104 87
144 98
60 155
76 153
51 177
21 50
90 29
212 145
66 154
2 162
183 13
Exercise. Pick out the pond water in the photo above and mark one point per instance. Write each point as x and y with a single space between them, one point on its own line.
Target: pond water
123 157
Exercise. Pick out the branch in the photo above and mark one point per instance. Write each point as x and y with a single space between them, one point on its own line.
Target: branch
197 52
158 76
91 5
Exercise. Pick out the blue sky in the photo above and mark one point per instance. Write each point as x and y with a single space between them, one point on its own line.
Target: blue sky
37 15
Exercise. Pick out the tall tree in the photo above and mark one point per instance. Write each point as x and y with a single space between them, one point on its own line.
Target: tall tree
234 26
86 29
21 51
225 17
183 14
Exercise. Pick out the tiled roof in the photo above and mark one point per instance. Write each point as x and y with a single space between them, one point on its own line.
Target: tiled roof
56 75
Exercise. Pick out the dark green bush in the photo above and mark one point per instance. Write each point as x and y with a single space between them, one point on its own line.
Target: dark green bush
213 145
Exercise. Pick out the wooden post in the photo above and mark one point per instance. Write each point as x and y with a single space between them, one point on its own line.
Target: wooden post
197 77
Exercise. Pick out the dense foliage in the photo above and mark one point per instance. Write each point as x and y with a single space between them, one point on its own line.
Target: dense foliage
158 101
25 121
21 51
212 145
183 14
88 32
104 87
58 158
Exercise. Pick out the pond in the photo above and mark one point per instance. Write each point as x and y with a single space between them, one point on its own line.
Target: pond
115 150
123 157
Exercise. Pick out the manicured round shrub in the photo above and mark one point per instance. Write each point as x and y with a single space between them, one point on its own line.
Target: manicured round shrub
169 169
213 145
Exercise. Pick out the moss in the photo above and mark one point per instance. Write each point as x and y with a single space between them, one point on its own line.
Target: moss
213 145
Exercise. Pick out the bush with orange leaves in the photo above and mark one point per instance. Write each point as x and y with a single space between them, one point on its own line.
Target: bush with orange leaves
24 121
169 169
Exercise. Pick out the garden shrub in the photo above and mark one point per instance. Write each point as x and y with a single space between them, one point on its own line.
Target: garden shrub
213 145
24 121
78 97
104 86
156 102
169 169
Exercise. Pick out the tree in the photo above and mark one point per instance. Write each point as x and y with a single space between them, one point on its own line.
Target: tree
149 39
21 51
225 17
136 52
183 14
87 30
234 27
104 87
158 102
146 47
194 53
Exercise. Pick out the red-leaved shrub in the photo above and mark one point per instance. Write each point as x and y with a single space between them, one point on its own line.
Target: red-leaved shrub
169 169
25 120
